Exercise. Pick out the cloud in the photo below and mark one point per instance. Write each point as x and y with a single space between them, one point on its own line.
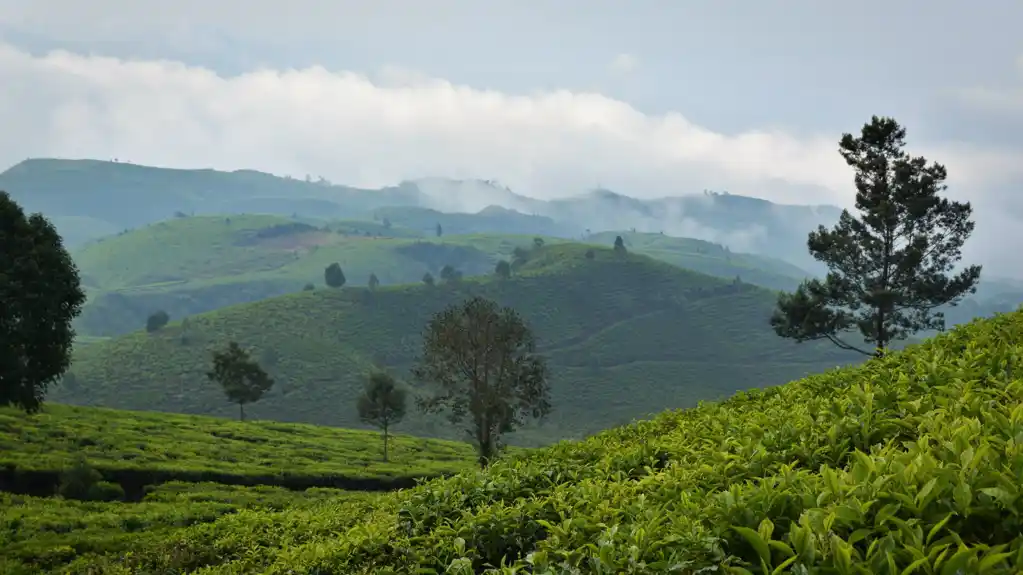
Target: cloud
623 63
400 125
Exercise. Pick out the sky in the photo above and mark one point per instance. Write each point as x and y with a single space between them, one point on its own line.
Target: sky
647 98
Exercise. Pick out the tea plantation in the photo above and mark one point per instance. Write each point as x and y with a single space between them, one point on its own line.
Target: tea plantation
907 464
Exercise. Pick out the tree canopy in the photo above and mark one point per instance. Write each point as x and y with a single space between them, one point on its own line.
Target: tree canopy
242 379
889 268
382 403
480 360
40 296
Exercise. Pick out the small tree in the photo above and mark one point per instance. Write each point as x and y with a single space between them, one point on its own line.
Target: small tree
537 242
40 296
440 230
382 403
590 254
242 379
308 287
157 321
374 282
333 276
449 274
619 244
428 279
481 360
888 269
503 269
387 224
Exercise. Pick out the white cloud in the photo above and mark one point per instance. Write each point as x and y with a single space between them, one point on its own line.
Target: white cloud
623 63
353 130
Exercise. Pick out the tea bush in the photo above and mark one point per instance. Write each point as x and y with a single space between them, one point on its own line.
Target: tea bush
907 464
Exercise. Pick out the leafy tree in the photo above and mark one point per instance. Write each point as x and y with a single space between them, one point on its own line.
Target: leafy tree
40 296
333 276
387 223
374 281
590 254
481 360
619 244
157 321
440 230
243 380
503 269
888 268
428 279
382 403
449 274
308 287
538 242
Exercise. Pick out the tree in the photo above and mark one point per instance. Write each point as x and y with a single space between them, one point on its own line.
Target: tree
619 244
503 269
40 296
382 403
449 274
888 268
428 279
374 282
157 321
537 242
333 276
387 223
243 380
440 230
481 360
308 287
590 254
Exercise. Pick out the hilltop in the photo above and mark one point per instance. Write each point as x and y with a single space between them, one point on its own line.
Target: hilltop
626 336
88 199
195 264
904 462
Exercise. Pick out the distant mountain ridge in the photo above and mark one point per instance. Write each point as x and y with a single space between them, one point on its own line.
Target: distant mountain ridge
92 198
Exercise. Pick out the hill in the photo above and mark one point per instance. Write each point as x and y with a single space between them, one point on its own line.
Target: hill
906 463
89 199
625 335
190 265
141 449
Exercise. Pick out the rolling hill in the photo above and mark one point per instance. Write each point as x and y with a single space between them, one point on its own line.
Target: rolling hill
901 465
194 264
626 336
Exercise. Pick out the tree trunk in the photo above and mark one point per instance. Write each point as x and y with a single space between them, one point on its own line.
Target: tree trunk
241 412
385 443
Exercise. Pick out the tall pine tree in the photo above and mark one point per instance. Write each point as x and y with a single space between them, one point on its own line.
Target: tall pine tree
890 267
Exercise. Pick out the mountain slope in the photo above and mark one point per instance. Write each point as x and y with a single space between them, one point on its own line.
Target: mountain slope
910 462
190 265
626 335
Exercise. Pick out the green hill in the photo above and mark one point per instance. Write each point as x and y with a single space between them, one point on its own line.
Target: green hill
626 336
191 265
908 464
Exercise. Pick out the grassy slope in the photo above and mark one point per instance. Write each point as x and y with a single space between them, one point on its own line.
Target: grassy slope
187 445
913 459
197 264
626 336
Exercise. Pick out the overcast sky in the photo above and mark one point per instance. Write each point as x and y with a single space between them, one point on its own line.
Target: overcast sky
647 97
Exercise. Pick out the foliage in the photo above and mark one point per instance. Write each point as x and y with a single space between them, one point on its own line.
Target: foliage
449 274
242 379
374 281
439 231
157 321
333 276
602 323
428 279
906 464
888 268
40 295
188 447
619 244
482 362
382 403
503 269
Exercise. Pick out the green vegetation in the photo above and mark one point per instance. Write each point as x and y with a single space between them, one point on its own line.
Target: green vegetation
40 295
907 460
888 268
191 265
625 336
383 403
136 449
